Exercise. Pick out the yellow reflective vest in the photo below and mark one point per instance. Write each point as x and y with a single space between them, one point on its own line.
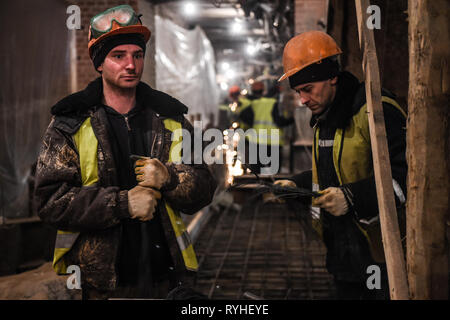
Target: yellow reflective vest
86 143
267 132
355 164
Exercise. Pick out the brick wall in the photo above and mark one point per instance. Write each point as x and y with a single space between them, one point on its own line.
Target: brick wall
391 42
310 15
148 19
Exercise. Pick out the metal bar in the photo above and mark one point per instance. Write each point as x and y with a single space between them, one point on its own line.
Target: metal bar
252 296
211 241
308 265
266 260
247 252
255 240
196 225
213 285
286 253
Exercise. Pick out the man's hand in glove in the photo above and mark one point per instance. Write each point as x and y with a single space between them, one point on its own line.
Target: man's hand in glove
151 173
270 197
333 200
142 202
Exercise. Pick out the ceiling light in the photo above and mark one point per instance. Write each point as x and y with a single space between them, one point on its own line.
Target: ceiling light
225 65
251 50
230 73
237 27
190 9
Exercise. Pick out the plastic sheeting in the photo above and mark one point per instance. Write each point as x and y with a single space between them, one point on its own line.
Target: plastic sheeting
185 67
34 76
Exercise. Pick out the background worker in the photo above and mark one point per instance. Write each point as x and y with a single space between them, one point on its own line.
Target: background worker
238 103
263 115
230 108
342 161
224 117
118 218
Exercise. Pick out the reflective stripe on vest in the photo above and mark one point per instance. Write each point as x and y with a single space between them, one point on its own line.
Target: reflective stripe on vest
224 107
266 129
183 238
87 144
326 143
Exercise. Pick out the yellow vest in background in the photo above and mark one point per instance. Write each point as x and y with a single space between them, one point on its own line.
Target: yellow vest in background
263 123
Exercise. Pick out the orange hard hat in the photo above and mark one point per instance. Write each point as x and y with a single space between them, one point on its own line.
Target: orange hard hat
257 86
118 20
305 49
234 90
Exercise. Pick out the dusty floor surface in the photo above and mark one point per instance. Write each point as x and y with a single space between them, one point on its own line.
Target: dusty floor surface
37 284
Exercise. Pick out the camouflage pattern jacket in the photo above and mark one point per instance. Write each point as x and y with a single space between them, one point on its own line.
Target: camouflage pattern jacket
96 211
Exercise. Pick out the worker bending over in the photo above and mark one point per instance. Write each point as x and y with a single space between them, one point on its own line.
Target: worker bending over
342 169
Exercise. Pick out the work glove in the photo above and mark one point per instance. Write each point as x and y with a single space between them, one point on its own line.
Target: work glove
142 202
271 198
151 173
332 200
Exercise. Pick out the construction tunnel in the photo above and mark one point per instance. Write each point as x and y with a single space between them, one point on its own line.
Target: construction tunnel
223 60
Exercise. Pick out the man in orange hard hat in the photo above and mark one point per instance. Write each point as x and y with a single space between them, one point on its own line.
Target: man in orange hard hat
107 179
346 214
234 92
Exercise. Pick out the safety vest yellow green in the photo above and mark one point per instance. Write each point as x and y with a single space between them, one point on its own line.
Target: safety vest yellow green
224 107
355 163
244 103
87 144
267 132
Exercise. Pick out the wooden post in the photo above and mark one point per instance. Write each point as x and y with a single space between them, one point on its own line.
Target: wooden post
382 167
428 141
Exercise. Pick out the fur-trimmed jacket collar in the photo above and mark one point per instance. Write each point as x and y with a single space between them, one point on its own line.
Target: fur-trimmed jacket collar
350 97
344 106
79 103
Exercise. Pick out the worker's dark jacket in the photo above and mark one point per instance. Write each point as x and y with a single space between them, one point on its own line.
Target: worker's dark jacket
98 212
353 240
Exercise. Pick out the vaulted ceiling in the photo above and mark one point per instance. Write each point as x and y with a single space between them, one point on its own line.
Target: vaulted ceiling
247 34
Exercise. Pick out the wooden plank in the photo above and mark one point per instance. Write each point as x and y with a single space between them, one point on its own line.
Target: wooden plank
428 149
196 225
382 168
